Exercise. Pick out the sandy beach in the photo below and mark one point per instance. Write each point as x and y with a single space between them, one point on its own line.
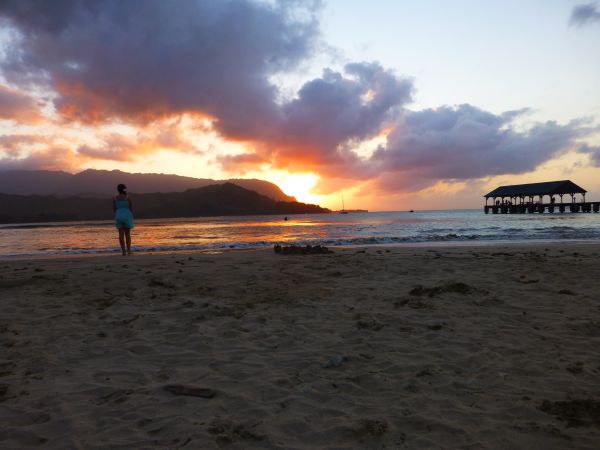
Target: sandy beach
468 347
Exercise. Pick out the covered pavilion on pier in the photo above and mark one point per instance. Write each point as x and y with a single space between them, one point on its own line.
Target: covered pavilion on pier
523 198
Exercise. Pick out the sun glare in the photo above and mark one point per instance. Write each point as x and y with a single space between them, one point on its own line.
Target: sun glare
299 185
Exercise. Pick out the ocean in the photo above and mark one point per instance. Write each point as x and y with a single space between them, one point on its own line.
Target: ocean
217 233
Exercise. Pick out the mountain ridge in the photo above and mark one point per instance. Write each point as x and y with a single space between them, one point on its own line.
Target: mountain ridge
102 183
226 199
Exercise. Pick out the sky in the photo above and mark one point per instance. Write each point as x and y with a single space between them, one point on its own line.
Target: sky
393 104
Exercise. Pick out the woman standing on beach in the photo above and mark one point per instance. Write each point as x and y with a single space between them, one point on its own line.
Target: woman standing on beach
123 210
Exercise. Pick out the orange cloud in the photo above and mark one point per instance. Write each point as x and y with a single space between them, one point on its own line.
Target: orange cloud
52 158
243 161
148 140
42 148
17 106
143 64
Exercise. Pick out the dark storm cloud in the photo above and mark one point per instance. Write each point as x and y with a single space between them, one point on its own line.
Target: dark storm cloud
593 151
153 60
46 16
465 142
141 60
335 110
318 128
584 14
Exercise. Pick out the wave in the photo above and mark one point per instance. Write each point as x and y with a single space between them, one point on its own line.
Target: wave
31 226
238 235
332 242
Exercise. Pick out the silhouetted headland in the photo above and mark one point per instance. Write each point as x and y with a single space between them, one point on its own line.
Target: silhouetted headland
101 183
216 200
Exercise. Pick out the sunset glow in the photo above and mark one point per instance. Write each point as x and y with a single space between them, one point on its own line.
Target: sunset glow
299 186
254 224
390 124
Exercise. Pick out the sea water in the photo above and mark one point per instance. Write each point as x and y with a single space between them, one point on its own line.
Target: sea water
216 233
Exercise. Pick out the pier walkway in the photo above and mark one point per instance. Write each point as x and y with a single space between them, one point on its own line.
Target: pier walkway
532 208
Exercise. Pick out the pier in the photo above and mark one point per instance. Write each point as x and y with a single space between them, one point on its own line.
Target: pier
539 198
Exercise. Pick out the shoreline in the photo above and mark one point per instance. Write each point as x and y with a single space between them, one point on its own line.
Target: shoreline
407 245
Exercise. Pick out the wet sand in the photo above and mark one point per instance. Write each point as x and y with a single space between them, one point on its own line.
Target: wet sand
472 347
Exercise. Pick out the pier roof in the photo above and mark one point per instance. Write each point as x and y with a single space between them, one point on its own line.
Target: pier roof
546 188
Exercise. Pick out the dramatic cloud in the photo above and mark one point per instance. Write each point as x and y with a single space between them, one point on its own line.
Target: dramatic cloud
584 14
116 147
52 158
241 163
15 105
148 63
142 60
465 142
593 151
318 127
119 147
33 151
39 150
335 110
12 144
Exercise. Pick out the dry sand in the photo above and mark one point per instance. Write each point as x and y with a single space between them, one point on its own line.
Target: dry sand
490 347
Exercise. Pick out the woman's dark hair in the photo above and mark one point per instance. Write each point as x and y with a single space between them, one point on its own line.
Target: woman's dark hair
122 189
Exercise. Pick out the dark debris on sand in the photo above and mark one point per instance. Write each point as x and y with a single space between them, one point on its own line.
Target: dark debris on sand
228 431
576 413
566 292
371 427
458 288
3 392
301 250
155 281
190 391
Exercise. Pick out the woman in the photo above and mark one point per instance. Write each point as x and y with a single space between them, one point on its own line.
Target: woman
123 210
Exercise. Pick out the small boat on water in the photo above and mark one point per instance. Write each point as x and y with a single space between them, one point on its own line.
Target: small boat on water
343 210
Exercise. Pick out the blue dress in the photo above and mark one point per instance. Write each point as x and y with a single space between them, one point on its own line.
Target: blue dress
123 215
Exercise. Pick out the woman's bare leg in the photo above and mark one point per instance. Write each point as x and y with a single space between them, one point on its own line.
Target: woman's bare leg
128 239
122 240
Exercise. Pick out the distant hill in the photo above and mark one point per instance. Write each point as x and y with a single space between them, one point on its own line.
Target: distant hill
102 183
214 200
